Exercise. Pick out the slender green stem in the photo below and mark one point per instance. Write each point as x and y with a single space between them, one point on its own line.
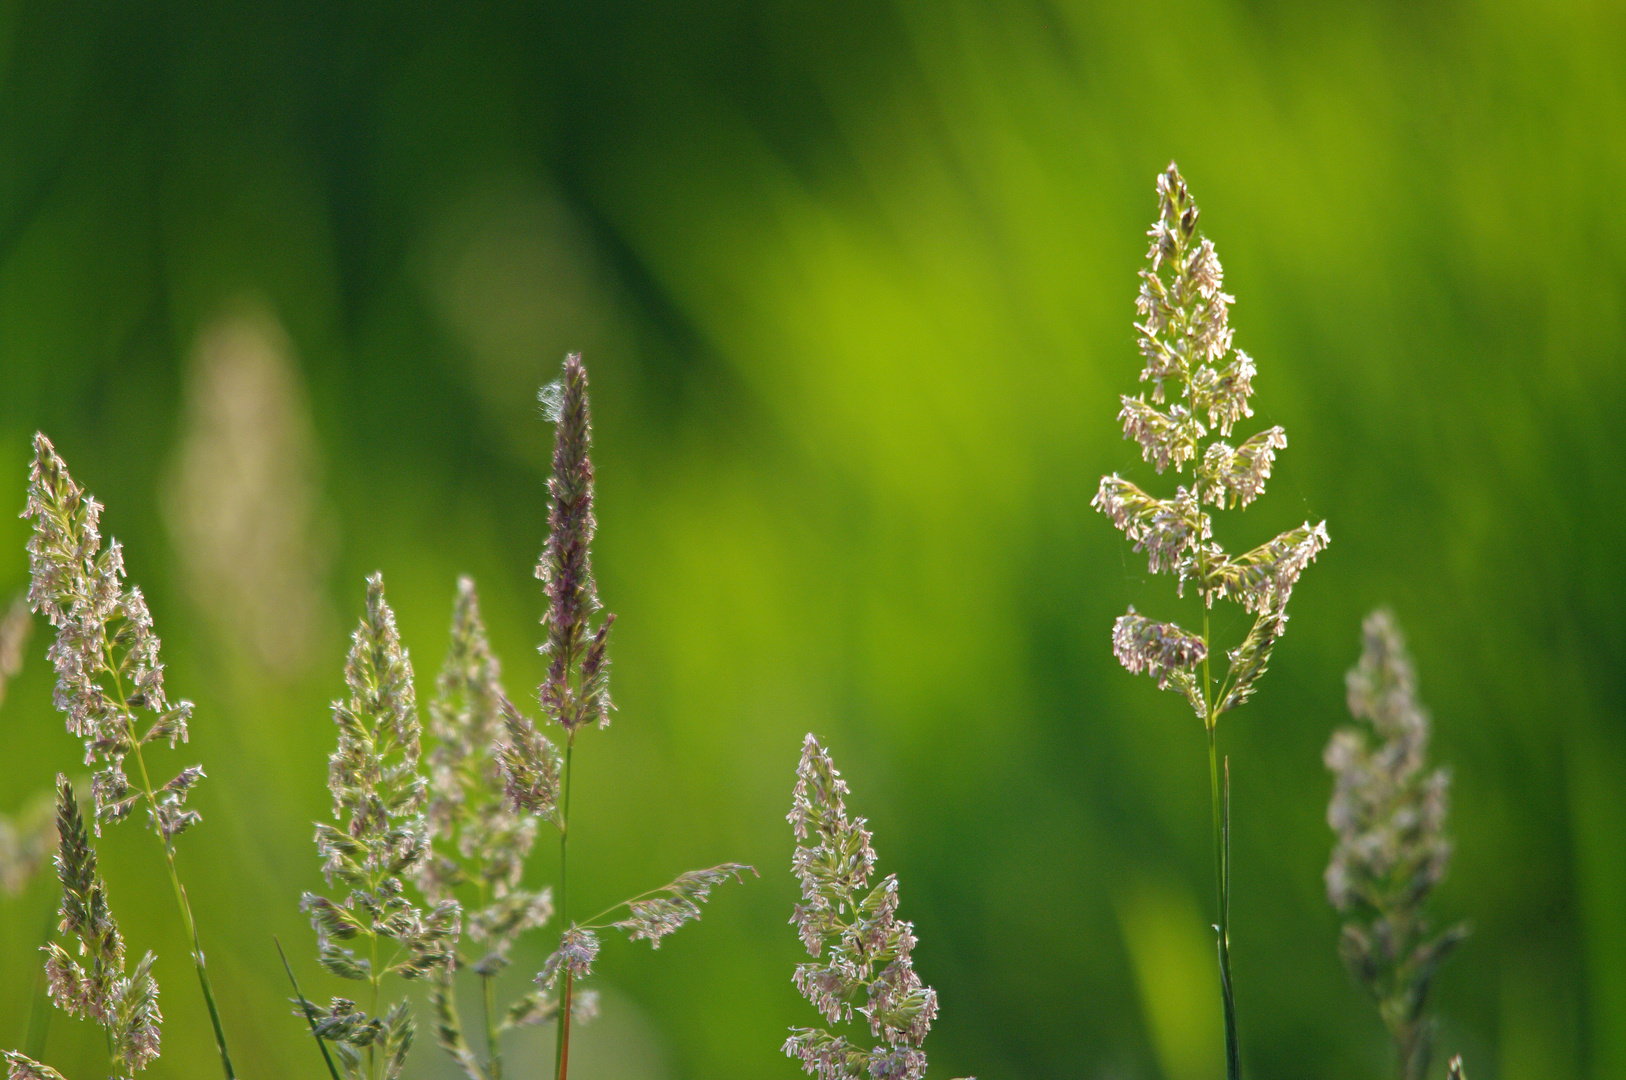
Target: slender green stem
39 1009
1233 1049
488 1005
310 1011
1221 798
488 1008
594 924
561 1049
564 1042
169 858
372 1010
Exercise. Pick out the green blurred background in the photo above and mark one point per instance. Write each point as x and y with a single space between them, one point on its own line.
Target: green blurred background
854 284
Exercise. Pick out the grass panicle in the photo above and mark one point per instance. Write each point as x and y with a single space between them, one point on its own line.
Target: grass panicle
16 627
27 839
95 986
861 948
109 679
574 695
479 841
380 795
1200 389
1388 810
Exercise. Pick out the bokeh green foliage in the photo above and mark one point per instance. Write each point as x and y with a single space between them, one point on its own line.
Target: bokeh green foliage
854 282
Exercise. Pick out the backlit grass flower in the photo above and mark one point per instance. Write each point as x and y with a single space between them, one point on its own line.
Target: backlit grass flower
110 682
381 796
479 841
1185 340
861 948
575 694
109 679
1200 391
94 984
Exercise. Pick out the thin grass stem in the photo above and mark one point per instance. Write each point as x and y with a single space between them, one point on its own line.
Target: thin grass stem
1233 1052
561 1049
174 876
564 1041
488 1005
310 1011
372 1009
39 1009
1221 801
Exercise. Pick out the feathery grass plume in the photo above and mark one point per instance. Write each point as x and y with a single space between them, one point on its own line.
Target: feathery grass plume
862 946
107 667
1185 339
479 842
381 796
95 986
1388 812
574 695
105 653
15 630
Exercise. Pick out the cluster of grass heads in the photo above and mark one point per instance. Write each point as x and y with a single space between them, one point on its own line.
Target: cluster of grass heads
428 858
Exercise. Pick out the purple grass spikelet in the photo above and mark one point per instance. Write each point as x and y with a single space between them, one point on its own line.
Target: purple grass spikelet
576 691
577 950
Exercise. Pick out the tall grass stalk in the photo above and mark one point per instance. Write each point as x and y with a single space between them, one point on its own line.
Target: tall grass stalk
575 695
307 1008
561 1044
380 796
1185 339
106 659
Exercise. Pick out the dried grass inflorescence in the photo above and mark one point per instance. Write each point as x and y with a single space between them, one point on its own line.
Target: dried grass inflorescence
381 796
27 839
1185 339
1388 811
95 986
861 947
105 652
